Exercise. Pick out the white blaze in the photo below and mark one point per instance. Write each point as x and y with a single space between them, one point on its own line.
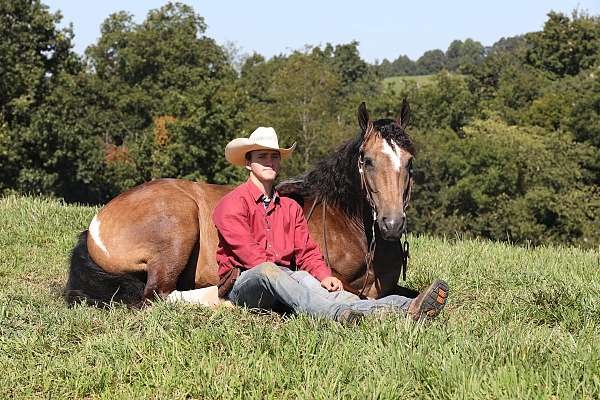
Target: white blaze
392 153
95 232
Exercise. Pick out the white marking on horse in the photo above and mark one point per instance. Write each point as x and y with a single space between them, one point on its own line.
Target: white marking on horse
393 153
95 232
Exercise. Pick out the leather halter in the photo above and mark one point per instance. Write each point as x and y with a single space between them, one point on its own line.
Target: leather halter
404 246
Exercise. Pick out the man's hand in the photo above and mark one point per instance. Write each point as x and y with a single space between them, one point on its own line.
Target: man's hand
332 284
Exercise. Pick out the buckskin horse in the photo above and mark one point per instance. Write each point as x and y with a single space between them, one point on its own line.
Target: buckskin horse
159 236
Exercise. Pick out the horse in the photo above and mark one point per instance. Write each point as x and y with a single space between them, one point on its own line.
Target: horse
159 237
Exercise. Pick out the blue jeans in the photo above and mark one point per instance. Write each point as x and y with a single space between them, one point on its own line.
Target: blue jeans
268 286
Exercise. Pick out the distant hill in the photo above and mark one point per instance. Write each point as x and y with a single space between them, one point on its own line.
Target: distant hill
397 82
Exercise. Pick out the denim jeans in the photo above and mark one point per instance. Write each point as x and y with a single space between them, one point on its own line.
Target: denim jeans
268 286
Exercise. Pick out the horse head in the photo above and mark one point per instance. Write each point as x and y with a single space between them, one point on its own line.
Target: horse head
385 169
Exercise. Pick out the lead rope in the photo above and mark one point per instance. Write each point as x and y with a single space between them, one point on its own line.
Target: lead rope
365 185
325 234
369 257
346 285
405 247
310 212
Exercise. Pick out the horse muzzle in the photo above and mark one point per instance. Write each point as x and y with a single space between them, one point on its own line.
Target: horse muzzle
392 227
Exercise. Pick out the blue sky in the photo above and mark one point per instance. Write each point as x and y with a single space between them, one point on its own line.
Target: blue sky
384 29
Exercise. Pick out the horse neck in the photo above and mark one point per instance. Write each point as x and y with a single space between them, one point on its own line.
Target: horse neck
336 180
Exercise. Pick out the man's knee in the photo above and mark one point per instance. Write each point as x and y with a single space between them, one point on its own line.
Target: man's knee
266 270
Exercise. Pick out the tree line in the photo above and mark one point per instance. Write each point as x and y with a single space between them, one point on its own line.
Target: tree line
508 137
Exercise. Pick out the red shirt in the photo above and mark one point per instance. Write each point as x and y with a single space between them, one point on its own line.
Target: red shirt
249 234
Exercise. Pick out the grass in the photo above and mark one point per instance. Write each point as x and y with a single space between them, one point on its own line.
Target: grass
520 323
397 83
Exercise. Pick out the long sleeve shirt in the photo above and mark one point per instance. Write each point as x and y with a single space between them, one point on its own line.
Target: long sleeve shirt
250 233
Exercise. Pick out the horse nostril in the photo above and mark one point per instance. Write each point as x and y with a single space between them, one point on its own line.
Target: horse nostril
388 223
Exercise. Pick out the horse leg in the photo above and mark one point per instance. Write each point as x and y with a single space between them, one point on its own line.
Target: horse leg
165 268
405 292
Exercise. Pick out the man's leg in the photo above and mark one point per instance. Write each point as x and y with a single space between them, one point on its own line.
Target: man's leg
393 302
267 283
428 303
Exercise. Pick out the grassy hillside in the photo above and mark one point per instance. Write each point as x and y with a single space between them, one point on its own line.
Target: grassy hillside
520 323
398 82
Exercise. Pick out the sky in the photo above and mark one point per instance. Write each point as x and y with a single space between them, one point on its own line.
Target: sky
384 29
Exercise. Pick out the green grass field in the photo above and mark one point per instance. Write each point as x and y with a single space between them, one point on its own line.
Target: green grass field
397 83
520 323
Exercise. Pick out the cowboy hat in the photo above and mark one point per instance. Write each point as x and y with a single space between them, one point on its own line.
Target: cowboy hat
262 138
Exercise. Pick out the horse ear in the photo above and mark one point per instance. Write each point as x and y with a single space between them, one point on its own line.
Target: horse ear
363 117
404 117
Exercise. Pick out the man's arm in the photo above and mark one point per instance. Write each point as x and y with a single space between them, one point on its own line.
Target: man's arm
231 220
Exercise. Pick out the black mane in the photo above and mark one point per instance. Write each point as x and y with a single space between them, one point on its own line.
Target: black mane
336 179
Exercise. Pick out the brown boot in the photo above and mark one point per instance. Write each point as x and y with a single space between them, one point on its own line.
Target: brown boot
429 302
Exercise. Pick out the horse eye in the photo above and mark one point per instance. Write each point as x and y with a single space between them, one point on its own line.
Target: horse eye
368 162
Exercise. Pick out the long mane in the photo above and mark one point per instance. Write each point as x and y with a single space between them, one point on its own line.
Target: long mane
335 178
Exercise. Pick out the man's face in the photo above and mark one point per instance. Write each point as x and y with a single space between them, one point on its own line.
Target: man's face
264 164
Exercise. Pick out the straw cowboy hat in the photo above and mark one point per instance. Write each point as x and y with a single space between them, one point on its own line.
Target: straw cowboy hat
262 138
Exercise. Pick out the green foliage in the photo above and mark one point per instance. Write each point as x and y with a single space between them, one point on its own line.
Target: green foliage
583 114
166 67
301 107
33 53
310 97
506 183
566 45
35 57
431 62
445 101
461 55
509 135
400 66
518 87
93 135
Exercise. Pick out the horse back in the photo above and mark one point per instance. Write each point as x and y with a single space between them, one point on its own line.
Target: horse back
166 222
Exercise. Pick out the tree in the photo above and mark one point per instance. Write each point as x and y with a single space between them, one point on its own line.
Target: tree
404 66
566 45
33 52
351 68
165 69
463 54
518 87
431 62
35 56
505 183
303 108
445 103
93 135
511 45
399 67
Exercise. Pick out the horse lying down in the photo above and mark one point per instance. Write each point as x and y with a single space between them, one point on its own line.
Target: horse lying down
158 239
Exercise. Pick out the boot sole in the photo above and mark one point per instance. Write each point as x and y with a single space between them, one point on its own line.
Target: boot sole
432 302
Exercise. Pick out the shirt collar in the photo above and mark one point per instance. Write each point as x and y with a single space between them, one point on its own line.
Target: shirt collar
257 194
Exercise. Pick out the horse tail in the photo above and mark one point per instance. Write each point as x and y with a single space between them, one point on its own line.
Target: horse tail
88 283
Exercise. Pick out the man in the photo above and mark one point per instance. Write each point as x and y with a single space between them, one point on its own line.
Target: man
267 258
